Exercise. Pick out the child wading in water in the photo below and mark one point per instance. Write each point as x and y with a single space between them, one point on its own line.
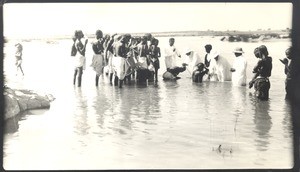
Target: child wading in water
18 55
79 61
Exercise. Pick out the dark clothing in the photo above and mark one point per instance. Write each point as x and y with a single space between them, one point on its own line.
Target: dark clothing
262 86
143 75
176 70
206 62
79 71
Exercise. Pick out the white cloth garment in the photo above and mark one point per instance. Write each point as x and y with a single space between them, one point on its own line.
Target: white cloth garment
239 77
79 61
98 63
170 56
220 69
119 67
192 60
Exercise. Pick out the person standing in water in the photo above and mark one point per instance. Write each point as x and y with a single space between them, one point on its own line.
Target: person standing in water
171 53
18 55
262 72
79 59
287 70
207 59
239 67
98 61
154 55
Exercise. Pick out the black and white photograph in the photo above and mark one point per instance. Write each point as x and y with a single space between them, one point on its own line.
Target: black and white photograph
161 85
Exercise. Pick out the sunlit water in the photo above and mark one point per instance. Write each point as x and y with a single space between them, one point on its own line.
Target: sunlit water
168 125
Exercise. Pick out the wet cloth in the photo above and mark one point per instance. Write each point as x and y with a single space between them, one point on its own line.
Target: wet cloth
119 67
98 63
79 61
170 56
262 86
239 77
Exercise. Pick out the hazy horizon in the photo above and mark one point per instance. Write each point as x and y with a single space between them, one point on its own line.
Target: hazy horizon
57 19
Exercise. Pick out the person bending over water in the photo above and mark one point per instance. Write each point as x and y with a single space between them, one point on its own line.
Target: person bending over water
199 72
262 72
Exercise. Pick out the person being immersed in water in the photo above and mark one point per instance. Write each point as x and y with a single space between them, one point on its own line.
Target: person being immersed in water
199 72
262 73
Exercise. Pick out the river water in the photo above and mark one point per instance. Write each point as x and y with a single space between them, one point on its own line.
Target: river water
168 125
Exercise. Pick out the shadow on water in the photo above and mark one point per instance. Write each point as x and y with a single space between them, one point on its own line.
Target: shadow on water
263 123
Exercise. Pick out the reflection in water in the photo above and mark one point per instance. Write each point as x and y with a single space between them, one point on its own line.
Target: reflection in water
263 123
287 120
80 113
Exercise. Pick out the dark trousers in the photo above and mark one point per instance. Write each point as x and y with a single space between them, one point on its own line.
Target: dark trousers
78 71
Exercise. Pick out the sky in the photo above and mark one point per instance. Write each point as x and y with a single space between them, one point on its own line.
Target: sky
55 19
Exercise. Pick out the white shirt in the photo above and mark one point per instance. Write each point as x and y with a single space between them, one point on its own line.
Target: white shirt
170 56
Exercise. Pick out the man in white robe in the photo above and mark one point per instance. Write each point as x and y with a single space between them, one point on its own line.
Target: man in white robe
238 69
171 54
219 69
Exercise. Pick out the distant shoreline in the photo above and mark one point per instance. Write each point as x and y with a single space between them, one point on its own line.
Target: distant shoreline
286 33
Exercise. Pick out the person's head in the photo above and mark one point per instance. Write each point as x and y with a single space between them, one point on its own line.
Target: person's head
79 34
99 34
156 42
263 50
288 53
148 36
200 66
153 41
208 48
127 38
171 41
238 51
257 52
144 40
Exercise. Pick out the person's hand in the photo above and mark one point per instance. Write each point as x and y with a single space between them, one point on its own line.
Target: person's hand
232 70
284 61
251 83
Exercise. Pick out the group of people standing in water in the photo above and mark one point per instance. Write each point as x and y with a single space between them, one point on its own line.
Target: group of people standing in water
122 57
